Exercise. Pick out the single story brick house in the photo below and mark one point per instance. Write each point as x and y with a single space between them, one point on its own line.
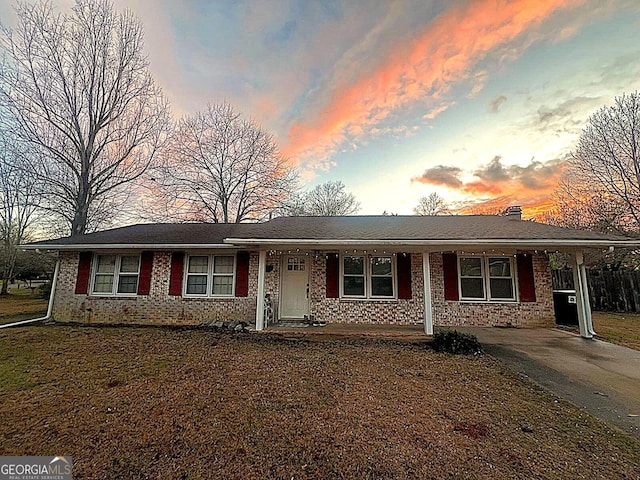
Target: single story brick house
435 270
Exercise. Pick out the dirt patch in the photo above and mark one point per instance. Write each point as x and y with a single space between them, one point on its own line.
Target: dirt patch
155 403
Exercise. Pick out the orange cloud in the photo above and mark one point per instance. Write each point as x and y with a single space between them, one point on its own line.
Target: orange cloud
422 71
532 207
497 186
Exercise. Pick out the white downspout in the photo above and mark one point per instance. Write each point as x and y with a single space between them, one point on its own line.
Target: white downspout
49 308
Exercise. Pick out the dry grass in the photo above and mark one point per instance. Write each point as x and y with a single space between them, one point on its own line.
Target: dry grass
190 404
620 328
21 305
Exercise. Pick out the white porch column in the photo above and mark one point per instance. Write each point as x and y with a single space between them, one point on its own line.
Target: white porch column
262 265
585 297
582 296
428 313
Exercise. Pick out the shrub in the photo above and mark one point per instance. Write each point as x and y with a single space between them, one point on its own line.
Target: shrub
44 290
452 341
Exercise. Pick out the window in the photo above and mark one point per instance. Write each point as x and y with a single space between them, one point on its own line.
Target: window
353 281
366 276
116 274
223 275
296 264
472 277
210 275
486 278
197 275
500 279
381 277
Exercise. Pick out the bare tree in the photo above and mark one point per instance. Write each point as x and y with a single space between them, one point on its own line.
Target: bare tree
433 204
601 185
328 199
485 208
19 200
575 207
222 168
80 89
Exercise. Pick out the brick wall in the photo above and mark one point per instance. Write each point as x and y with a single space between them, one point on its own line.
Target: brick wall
272 278
158 308
527 314
366 311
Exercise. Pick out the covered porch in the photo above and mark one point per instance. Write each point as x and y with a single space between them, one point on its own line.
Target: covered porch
294 290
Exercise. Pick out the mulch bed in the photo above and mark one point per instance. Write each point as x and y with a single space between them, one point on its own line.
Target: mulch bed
189 404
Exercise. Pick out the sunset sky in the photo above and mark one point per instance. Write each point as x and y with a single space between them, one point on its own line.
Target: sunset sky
477 100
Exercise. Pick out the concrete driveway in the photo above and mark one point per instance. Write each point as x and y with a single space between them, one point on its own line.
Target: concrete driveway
598 376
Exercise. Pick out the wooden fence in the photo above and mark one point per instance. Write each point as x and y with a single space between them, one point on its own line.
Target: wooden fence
617 291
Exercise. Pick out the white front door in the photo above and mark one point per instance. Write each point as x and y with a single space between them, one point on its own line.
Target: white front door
294 302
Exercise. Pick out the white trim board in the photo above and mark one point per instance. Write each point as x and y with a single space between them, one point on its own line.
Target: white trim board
131 246
450 244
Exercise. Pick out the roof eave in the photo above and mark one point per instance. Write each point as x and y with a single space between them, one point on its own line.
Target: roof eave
230 243
450 243
126 246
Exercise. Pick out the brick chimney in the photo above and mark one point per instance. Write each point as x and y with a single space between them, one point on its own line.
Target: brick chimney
514 213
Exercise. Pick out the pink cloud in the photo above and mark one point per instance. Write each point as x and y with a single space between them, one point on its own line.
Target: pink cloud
423 70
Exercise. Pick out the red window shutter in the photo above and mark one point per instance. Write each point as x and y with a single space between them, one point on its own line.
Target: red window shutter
333 275
146 265
450 271
525 278
403 265
242 274
84 272
177 270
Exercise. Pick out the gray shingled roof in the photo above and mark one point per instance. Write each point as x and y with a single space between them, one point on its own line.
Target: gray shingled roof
442 227
458 228
161 234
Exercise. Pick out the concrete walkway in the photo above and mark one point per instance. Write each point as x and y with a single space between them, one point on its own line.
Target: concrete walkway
598 376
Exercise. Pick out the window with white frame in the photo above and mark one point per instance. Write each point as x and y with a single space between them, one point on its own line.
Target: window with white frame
116 274
381 273
368 276
353 276
486 278
210 275
501 285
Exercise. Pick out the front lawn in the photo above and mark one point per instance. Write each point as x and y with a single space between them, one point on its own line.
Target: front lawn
190 404
21 304
620 328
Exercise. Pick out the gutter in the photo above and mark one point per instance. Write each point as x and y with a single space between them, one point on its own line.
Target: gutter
49 307
127 246
539 243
